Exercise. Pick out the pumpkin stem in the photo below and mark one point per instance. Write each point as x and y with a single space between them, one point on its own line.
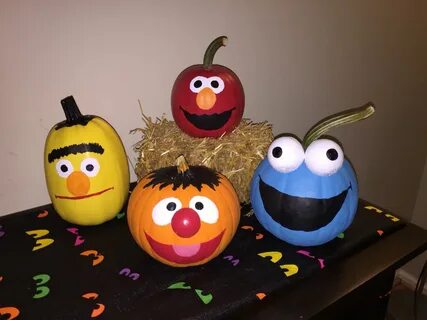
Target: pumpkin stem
71 110
182 164
212 49
338 119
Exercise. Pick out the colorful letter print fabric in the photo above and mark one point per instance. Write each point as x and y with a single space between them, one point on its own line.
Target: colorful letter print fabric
51 269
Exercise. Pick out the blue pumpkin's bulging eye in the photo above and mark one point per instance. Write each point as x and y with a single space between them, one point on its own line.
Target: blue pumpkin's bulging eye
332 154
285 154
324 157
277 152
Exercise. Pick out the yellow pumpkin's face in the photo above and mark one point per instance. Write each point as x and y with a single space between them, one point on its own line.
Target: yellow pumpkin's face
183 226
86 171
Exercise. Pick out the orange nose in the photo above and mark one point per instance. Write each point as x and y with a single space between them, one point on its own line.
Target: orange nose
78 183
206 99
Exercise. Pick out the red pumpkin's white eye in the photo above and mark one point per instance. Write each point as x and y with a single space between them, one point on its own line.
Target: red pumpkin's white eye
198 83
64 168
164 210
285 154
324 157
206 208
216 84
90 167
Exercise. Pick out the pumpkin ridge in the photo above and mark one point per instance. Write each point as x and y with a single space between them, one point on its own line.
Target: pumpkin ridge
135 223
225 192
230 190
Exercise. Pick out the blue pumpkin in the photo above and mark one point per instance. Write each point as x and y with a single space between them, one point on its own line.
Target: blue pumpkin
307 194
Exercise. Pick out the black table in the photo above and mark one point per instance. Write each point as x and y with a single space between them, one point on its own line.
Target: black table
50 269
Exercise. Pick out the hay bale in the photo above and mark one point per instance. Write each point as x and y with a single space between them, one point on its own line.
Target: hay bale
235 155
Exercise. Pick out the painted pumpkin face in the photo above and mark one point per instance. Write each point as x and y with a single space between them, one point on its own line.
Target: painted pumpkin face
308 203
208 100
305 196
183 219
86 168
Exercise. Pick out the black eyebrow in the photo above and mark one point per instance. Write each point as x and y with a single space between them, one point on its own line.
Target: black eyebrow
74 149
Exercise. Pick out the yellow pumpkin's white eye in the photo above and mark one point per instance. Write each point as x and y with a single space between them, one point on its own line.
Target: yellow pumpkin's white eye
90 167
285 154
164 210
324 157
206 208
216 84
198 83
64 168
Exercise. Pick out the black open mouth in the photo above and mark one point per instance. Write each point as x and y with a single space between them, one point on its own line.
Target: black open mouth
298 213
208 121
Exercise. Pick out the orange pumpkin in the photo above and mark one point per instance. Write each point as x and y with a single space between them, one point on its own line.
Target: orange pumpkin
183 215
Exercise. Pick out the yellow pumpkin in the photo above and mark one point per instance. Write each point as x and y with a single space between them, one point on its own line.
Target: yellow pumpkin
183 215
86 168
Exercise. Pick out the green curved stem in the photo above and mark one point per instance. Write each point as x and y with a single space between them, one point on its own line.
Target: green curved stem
212 49
338 119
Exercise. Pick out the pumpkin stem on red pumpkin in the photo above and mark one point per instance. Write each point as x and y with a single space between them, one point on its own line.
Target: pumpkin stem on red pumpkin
182 164
71 110
338 119
212 49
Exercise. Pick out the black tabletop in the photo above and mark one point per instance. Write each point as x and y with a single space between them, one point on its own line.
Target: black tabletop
50 269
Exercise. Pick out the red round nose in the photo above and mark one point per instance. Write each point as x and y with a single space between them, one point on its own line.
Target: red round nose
185 222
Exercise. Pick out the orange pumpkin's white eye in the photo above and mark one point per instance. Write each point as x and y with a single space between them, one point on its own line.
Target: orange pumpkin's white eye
324 157
216 84
206 208
90 167
285 154
164 210
198 83
64 168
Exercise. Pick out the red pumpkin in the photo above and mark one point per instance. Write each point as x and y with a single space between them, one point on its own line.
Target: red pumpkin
208 99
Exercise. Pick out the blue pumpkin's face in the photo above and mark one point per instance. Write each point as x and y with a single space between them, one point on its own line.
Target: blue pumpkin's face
304 197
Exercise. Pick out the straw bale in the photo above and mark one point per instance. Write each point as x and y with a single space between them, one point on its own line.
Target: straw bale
236 155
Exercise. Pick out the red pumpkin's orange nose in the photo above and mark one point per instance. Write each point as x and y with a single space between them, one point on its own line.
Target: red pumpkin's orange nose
185 222
78 183
206 99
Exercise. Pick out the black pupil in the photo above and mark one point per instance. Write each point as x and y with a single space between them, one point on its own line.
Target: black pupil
171 206
215 84
89 167
332 154
199 205
64 168
277 152
198 84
